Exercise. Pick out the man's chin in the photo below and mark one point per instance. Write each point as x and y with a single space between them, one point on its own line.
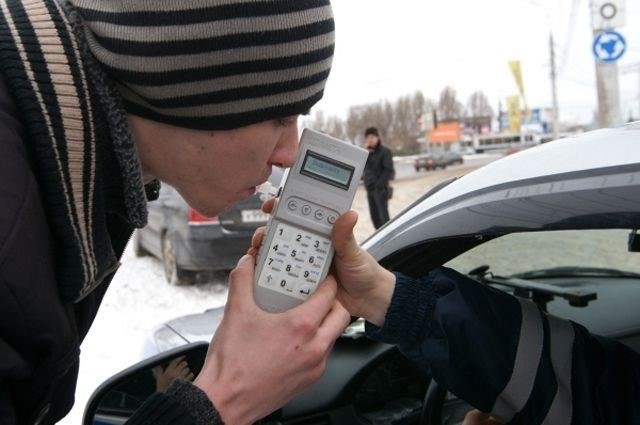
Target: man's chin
219 208
211 210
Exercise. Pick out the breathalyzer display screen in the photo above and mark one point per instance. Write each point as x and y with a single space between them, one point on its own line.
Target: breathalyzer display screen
327 170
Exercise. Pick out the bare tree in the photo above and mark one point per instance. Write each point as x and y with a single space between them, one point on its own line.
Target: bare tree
355 121
478 106
336 127
479 112
318 122
420 104
405 127
397 122
332 125
449 108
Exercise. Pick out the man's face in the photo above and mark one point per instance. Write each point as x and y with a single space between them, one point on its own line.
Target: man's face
371 141
213 170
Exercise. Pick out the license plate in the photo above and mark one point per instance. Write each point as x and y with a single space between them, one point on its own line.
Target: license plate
254 216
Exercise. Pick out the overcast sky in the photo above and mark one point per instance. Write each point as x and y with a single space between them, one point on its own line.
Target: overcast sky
390 48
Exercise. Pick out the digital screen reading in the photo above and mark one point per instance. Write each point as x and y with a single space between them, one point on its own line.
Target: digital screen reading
327 170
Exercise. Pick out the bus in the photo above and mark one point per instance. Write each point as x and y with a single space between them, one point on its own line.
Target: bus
504 141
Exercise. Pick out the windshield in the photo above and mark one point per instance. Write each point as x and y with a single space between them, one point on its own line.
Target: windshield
523 252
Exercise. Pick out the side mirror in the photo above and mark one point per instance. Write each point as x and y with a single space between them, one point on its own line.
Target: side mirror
116 399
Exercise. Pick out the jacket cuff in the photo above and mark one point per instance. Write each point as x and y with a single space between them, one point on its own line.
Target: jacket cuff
182 404
410 314
195 401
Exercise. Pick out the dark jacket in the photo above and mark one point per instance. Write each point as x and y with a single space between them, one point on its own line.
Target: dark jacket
505 356
378 170
70 194
39 332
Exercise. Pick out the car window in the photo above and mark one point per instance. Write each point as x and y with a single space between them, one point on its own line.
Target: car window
523 252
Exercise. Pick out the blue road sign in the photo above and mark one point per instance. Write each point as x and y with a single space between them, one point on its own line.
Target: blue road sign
608 46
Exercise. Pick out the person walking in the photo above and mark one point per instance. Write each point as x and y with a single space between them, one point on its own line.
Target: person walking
378 172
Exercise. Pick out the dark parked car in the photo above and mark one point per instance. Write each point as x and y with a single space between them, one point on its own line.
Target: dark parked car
452 157
428 161
188 243
556 223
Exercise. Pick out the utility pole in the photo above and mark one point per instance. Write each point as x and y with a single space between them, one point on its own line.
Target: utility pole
554 93
608 93
605 16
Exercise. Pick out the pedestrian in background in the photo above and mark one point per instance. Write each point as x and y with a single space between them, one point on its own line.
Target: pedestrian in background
377 173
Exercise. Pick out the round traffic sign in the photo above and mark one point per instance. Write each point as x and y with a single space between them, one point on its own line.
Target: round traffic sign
608 10
609 46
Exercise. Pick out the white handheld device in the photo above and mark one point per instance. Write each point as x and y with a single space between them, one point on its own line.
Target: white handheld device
296 251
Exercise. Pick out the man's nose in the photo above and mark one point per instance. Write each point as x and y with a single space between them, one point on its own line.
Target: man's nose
284 154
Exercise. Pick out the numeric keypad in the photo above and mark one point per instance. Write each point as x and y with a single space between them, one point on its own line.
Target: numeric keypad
294 262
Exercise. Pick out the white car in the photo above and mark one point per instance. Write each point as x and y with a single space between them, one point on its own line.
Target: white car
556 223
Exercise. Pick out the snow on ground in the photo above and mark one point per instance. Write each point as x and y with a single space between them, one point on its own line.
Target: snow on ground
138 300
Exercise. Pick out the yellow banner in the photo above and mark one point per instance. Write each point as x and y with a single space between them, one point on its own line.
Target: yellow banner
513 110
517 75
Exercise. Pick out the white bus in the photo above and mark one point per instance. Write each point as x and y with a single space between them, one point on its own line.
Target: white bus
504 141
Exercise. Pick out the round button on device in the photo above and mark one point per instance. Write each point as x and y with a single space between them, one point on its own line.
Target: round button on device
319 214
306 209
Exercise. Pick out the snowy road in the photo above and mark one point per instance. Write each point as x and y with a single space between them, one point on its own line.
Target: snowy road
139 299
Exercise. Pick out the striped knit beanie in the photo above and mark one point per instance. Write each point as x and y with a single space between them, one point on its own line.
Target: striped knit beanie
213 64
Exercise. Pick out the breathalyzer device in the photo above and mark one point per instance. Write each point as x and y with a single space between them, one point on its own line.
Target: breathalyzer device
296 251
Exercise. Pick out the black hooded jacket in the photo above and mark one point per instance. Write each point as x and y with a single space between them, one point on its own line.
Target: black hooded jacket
379 168
70 195
39 332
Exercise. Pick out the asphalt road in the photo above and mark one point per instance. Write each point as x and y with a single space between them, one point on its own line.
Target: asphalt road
409 185
404 165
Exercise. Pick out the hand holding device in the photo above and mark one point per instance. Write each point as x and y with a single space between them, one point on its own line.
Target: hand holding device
259 361
296 251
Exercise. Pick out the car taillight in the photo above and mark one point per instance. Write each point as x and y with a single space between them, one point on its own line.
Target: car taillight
195 218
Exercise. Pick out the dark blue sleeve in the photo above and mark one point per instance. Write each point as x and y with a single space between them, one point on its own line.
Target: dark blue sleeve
182 404
503 355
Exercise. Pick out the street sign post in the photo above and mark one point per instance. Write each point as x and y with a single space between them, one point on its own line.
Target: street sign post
608 46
